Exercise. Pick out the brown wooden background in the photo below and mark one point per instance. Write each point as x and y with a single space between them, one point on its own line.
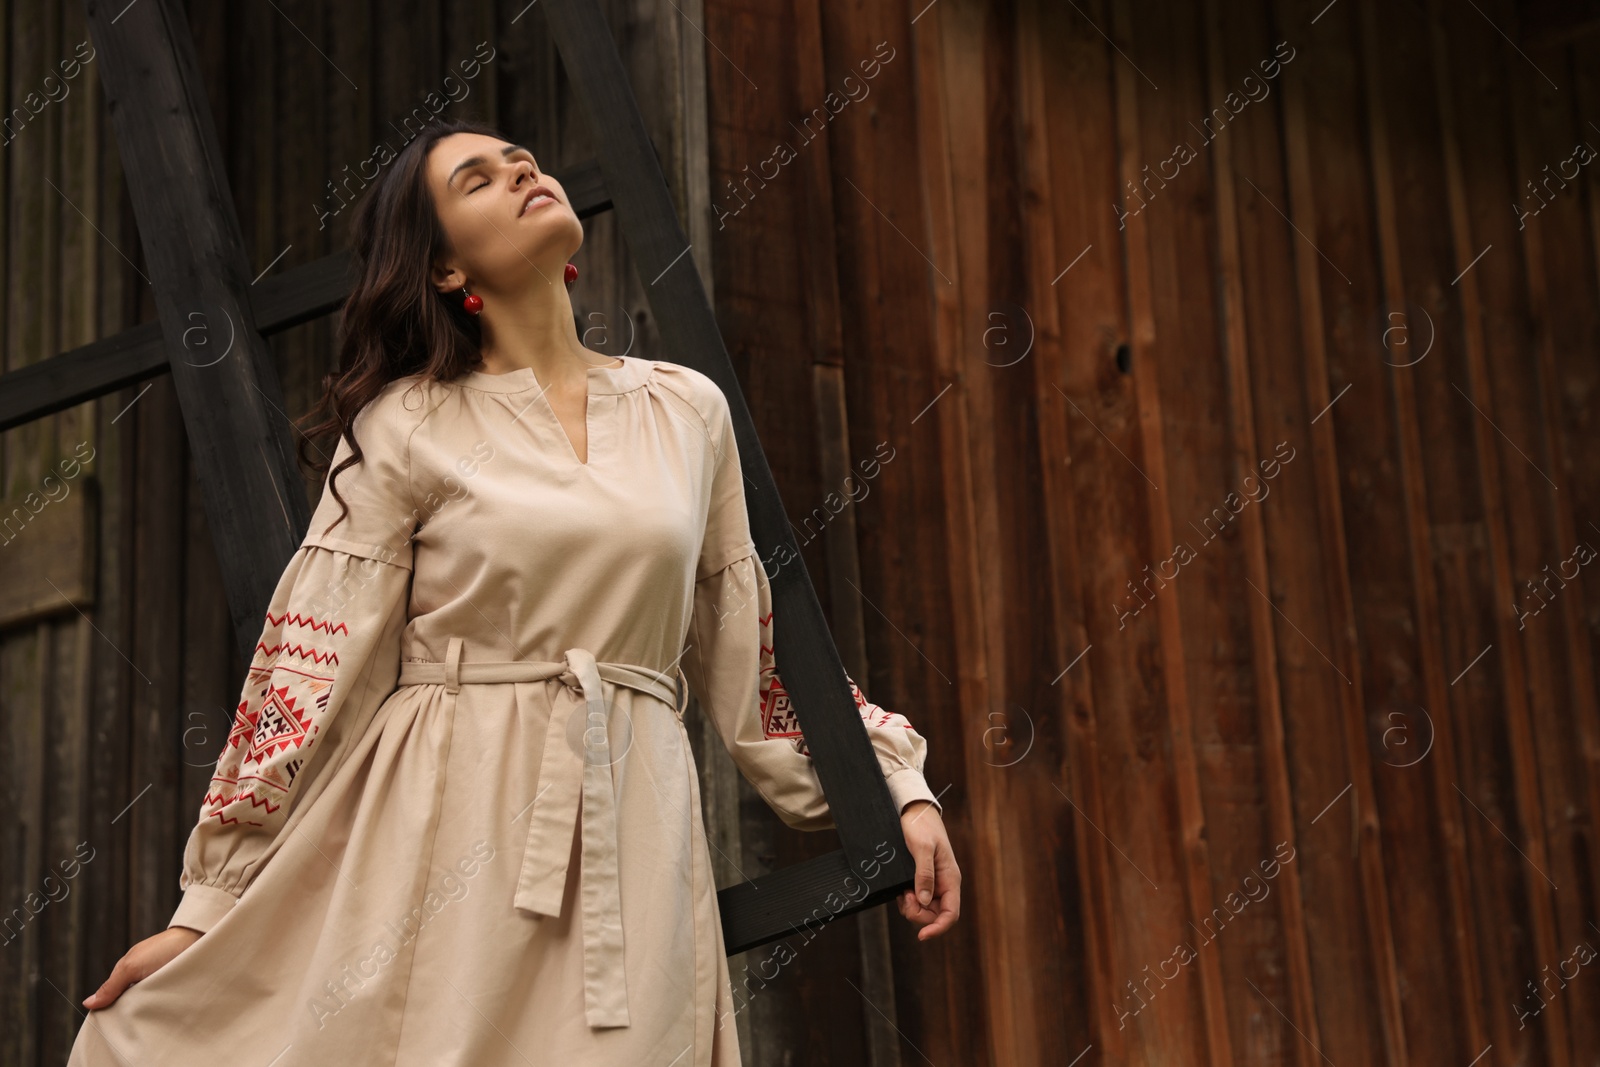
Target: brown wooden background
1147 665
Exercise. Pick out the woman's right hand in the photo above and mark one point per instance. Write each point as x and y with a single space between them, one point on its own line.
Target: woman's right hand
141 961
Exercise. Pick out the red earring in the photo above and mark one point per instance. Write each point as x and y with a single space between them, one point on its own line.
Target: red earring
571 273
472 303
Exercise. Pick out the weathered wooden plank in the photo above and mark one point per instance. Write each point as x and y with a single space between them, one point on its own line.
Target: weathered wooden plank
1406 587
1441 497
684 125
22 686
48 537
155 835
932 377
33 255
66 835
212 677
102 885
998 263
68 736
1127 796
1358 979
1071 953
876 1043
1257 301
289 226
1173 302
886 341
1348 917
1503 400
1348 928
1077 291
1576 402
357 133
1558 642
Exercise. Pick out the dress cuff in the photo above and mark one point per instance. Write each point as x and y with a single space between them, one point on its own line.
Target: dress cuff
908 784
202 906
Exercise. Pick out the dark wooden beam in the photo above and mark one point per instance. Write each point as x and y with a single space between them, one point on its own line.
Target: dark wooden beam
811 893
221 366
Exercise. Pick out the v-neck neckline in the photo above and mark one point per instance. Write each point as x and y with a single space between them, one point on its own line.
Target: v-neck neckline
561 428
599 379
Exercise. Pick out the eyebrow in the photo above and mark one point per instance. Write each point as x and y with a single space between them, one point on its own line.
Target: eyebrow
478 161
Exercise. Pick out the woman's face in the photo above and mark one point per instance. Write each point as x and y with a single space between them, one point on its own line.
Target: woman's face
503 230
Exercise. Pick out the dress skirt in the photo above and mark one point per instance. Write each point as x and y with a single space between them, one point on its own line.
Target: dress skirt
384 930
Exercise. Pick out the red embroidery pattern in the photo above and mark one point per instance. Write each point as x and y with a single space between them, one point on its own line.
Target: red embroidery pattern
303 651
274 727
778 718
310 621
777 714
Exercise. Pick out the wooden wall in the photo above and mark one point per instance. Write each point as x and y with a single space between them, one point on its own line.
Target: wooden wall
1232 554
1208 493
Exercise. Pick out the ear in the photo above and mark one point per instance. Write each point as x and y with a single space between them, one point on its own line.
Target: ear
447 279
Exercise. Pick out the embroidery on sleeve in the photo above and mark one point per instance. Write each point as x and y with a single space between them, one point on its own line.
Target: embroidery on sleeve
777 713
274 727
778 718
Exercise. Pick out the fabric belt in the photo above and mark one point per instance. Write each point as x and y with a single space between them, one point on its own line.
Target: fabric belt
567 773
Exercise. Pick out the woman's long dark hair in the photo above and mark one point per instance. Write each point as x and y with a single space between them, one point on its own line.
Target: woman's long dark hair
394 323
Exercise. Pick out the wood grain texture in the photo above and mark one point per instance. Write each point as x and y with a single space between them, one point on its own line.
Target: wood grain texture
1560 270
1257 307
1408 176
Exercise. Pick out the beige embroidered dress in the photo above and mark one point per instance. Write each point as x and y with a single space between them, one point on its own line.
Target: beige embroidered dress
456 821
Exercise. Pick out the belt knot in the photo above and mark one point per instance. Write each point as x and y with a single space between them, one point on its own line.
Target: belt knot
581 672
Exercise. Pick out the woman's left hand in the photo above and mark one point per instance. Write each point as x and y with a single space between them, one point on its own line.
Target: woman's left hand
934 900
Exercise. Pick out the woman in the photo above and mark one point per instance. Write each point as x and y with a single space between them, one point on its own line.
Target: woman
456 820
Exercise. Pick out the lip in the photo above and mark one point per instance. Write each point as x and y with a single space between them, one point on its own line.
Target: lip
537 190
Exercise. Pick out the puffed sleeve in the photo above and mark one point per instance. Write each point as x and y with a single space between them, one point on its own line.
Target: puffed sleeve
730 666
328 656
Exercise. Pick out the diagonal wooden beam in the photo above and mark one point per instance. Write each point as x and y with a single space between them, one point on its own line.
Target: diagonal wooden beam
221 366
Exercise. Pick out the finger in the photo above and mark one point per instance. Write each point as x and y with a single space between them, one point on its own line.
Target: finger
948 901
943 921
109 990
915 913
949 911
924 883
